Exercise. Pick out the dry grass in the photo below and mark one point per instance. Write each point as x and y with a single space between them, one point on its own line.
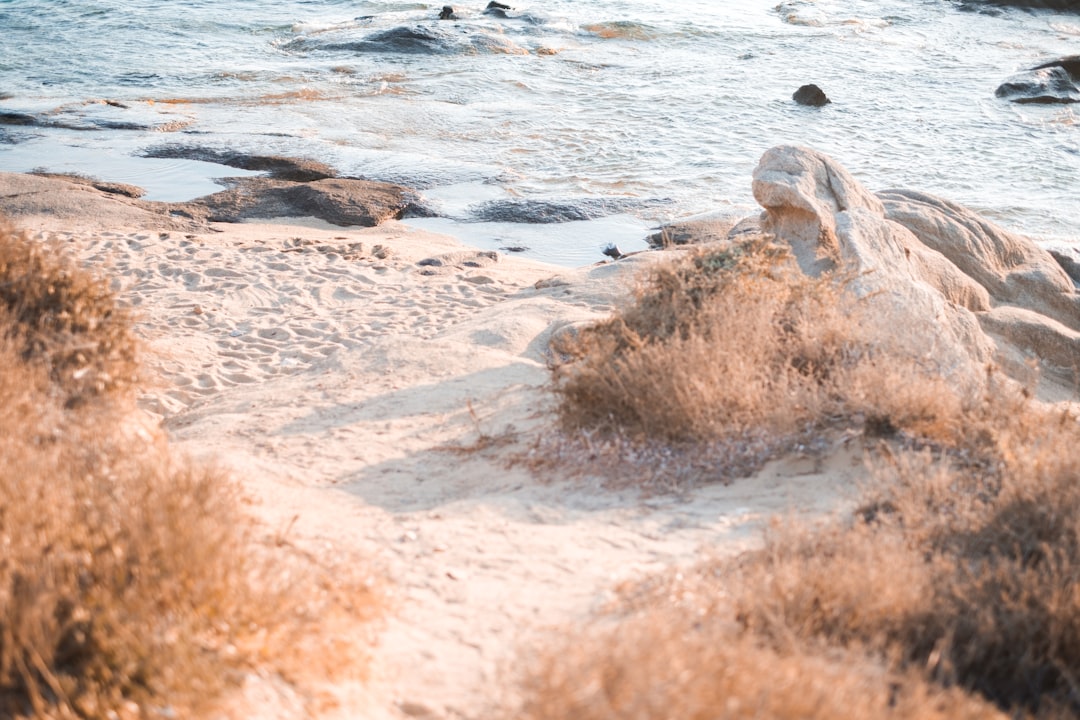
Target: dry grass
665 664
127 580
733 352
65 318
954 589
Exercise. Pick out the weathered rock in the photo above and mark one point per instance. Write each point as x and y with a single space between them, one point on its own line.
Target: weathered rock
281 168
1012 268
958 289
811 95
1045 85
336 201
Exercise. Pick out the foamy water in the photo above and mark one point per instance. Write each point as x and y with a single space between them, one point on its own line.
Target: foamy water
659 109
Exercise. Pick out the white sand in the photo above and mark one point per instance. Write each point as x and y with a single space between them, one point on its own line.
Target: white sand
336 385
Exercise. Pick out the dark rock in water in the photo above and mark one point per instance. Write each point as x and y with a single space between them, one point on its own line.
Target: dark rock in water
551 211
17 118
810 95
336 201
514 249
1058 5
281 168
447 13
1046 85
1070 64
404 40
496 9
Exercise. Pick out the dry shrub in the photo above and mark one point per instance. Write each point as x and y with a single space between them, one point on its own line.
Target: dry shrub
127 579
732 344
952 591
966 566
65 318
662 663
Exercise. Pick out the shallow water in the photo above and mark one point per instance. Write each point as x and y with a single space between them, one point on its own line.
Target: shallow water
662 106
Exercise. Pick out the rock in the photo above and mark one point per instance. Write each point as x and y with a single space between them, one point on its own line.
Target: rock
496 9
1058 5
692 231
281 168
447 13
959 289
1012 268
337 201
612 251
811 95
525 210
1069 260
1044 85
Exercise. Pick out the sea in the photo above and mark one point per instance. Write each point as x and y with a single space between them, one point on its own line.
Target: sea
556 127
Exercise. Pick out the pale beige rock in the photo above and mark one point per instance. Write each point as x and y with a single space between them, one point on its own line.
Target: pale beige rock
955 286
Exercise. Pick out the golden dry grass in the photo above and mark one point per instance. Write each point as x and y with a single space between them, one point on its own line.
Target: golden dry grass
952 592
732 352
127 578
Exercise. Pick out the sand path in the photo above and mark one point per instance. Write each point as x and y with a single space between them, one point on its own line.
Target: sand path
370 403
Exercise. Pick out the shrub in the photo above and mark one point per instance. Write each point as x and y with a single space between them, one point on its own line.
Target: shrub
130 582
732 345
65 318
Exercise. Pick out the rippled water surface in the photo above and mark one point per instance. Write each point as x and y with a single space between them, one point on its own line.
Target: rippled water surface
662 107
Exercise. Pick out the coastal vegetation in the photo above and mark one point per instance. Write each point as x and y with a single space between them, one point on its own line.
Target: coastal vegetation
951 590
130 580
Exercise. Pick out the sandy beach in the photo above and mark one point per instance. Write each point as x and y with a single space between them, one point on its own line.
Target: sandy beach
379 393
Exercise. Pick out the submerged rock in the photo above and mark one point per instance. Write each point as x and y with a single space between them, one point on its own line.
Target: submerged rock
961 289
811 95
552 211
1046 85
281 168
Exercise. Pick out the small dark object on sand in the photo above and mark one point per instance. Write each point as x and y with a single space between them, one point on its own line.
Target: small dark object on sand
810 95
447 13
613 251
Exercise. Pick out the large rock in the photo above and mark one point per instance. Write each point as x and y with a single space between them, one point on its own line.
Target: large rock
337 201
958 290
1044 85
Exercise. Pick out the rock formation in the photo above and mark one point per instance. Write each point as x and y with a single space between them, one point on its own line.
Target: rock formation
811 95
962 290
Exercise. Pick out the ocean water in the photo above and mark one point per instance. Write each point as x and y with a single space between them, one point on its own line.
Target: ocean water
622 114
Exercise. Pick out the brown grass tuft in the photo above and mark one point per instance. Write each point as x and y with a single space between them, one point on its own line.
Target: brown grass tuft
128 583
733 346
65 318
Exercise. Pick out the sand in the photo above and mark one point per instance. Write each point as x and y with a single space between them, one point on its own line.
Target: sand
378 393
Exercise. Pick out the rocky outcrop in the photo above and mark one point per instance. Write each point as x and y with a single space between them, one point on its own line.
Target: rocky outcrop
336 201
1045 85
962 290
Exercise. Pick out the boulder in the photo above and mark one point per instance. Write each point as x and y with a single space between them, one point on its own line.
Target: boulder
958 290
337 201
1044 85
811 95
